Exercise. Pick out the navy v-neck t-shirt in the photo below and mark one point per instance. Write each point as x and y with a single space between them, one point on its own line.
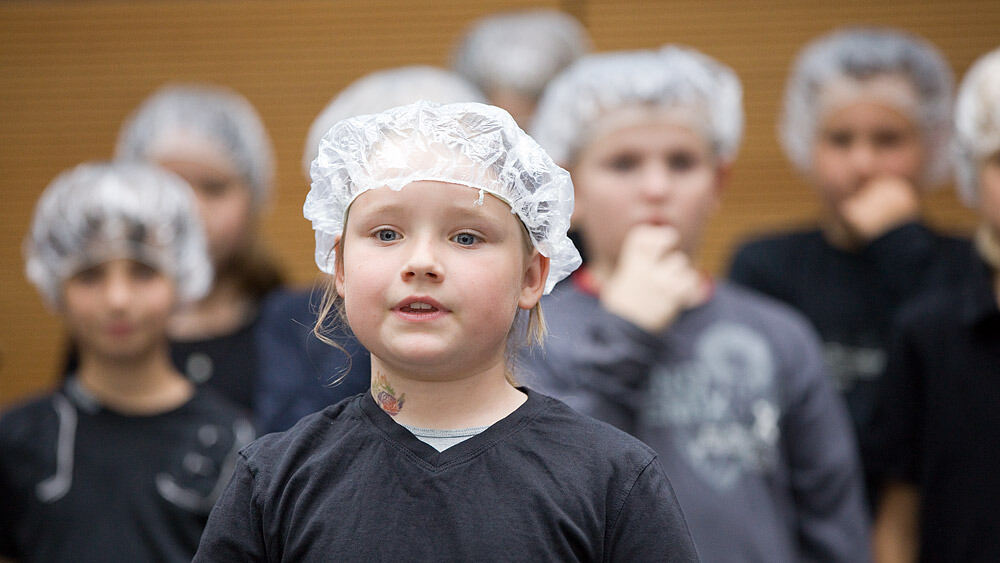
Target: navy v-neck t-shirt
544 484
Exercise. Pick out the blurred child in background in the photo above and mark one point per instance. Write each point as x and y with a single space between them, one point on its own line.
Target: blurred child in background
867 122
937 422
124 461
726 385
213 138
299 374
511 56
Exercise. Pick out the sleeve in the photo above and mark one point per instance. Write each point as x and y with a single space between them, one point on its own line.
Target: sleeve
599 368
8 508
825 473
235 529
902 257
650 526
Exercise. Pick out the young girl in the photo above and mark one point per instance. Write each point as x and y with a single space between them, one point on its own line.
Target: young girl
125 460
441 224
299 374
727 386
867 122
938 419
213 138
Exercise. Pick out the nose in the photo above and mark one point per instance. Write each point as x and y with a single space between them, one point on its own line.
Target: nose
422 262
117 289
656 182
863 160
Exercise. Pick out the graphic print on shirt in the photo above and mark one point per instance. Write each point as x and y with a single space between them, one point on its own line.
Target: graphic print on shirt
196 482
851 364
720 405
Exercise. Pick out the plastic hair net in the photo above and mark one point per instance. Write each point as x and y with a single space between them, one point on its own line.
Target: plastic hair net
218 116
673 77
386 89
977 123
859 54
520 51
98 212
471 144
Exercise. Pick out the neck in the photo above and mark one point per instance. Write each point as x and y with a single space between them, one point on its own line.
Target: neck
478 399
145 385
223 311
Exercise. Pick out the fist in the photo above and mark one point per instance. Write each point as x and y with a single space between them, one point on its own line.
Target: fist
879 206
653 281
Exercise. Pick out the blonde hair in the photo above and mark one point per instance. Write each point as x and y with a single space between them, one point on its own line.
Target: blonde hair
332 316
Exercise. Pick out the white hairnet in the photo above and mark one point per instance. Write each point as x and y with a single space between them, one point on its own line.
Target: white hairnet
977 123
520 51
201 113
98 212
672 77
386 89
471 144
861 54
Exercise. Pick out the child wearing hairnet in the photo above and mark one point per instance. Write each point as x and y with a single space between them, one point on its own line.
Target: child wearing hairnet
726 385
299 374
937 422
511 56
867 122
213 138
442 226
124 461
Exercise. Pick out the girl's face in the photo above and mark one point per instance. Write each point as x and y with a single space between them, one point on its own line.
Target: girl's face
431 281
225 202
989 191
118 309
657 172
861 141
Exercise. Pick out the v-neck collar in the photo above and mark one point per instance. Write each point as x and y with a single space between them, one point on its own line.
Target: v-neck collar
425 454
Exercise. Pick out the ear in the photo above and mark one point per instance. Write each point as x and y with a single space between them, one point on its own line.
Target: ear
338 267
533 283
722 174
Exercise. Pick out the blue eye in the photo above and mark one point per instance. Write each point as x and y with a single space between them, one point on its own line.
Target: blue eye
465 239
387 235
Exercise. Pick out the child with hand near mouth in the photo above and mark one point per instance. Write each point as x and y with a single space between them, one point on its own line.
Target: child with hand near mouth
442 227
726 385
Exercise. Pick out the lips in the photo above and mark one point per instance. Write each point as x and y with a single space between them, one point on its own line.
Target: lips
420 308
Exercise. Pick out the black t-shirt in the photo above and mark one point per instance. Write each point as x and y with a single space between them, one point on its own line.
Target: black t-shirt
543 484
939 418
227 364
81 483
852 297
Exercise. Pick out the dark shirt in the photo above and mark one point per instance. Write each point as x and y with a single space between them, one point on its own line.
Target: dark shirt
297 373
543 484
852 297
228 364
939 418
81 483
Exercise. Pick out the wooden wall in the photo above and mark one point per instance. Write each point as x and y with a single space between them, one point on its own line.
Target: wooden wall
71 71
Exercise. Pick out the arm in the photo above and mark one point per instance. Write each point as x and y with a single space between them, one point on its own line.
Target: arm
235 529
896 534
825 473
649 526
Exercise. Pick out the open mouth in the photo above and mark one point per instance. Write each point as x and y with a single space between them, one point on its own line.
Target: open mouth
419 307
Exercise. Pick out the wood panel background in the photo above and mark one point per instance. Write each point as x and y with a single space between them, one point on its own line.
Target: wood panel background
71 71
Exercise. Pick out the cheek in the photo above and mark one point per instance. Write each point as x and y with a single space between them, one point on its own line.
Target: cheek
989 194
906 161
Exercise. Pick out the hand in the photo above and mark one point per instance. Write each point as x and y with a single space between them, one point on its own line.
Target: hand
653 281
879 206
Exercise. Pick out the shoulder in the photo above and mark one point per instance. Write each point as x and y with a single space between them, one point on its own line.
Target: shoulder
24 417
570 436
930 313
767 314
313 433
778 244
